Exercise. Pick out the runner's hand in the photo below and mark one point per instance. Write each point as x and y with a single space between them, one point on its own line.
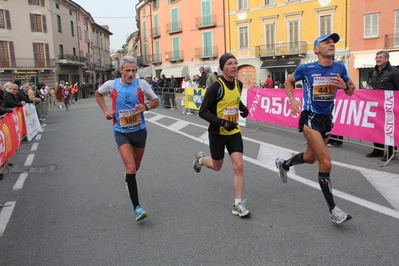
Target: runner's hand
228 125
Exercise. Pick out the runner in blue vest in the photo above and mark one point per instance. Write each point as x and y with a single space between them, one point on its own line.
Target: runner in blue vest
321 80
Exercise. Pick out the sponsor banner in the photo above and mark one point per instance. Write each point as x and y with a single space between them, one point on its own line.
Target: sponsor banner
367 115
32 123
11 131
193 97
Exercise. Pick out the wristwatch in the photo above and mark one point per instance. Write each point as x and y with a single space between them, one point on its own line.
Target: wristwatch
347 86
147 107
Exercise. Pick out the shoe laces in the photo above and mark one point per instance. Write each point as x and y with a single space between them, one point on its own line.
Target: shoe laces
242 205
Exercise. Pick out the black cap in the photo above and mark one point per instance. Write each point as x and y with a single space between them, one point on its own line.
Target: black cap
223 59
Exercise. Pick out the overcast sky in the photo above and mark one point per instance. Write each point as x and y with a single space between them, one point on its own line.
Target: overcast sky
119 15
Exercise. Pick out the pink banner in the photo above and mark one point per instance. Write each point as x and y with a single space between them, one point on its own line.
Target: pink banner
367 115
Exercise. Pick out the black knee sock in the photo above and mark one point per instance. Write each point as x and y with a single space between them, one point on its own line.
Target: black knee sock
132 188
297 159
326 188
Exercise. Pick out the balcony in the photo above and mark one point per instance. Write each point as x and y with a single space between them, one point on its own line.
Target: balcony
174 27
26 63
174 56
156 59
155 32
205 21
146 59
208 52
281 49
72 60
391 41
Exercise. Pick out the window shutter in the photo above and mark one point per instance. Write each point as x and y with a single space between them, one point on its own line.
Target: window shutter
42 2
46 46
12 54
32 22
30 2
7 19
35 57
44 23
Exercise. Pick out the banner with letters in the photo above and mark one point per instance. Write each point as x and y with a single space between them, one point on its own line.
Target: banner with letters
32 123
367 115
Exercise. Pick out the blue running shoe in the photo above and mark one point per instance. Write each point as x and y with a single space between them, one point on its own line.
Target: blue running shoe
140 213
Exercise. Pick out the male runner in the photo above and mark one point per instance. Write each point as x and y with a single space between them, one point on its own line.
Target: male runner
130 133
221 107
321 81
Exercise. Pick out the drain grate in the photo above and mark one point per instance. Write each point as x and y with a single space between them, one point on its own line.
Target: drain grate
42 169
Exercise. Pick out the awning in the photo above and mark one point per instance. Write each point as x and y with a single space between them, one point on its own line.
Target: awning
394 58
145 72
279 63
364 61
176 71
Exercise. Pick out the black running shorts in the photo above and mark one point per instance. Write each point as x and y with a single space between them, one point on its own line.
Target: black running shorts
320 123
137 139
217 143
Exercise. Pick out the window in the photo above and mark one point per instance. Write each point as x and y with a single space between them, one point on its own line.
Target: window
5 21
293 30
156 27
86 36
4 55
72 29
39 54
157 52
206 13
242 4
36 2
270 33
79 32
371 23
38 23
207 44
145 30
243 37
269 2
175 19
57 6
59 24
155 4
172 1
74 51
61 51
396 38
176 47
325 24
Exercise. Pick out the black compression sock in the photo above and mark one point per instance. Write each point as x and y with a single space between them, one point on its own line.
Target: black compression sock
297 159
132 188
326 188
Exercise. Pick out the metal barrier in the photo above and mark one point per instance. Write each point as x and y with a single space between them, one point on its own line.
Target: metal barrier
167 96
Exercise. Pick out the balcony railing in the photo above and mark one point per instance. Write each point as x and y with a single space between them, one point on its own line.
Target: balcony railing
174 56
174 27
68 59
155 32
146 59
279 49
27 63
205 21
156 59
208 52
391 41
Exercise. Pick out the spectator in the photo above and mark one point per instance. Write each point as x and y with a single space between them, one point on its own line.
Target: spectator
76 90
10 96
269 83
23 93
202 81
384 77
173 82
58 90
33 96
210 77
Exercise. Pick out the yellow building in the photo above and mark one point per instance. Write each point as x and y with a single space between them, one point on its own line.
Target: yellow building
275 36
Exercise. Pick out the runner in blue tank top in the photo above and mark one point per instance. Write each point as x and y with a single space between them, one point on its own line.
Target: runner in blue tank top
128 104
321 80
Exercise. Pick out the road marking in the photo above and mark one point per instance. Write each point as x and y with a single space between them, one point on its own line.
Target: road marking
38 136
20 182
34 146
392 198
5 215
29 159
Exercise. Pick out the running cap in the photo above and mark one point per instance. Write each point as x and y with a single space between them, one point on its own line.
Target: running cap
335 37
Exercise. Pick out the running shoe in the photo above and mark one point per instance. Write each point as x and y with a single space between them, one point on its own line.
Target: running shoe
338 216
196 164
240 209
140 213
282 173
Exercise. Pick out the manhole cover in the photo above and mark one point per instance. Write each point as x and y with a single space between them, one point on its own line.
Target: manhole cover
42 169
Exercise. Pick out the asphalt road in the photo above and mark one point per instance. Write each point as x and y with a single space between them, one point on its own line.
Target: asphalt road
69 205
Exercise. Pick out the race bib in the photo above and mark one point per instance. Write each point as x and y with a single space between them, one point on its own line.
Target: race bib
323 90
231 114
129 119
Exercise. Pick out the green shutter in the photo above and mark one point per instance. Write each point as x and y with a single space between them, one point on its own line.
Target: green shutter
176 47
175 19
156 29
206 13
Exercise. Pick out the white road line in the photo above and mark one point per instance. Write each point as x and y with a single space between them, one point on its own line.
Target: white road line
29 159
5 215
38 137
34 146
270 166
20 181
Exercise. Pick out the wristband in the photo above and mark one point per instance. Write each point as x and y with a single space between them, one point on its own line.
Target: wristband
146 107
347 86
